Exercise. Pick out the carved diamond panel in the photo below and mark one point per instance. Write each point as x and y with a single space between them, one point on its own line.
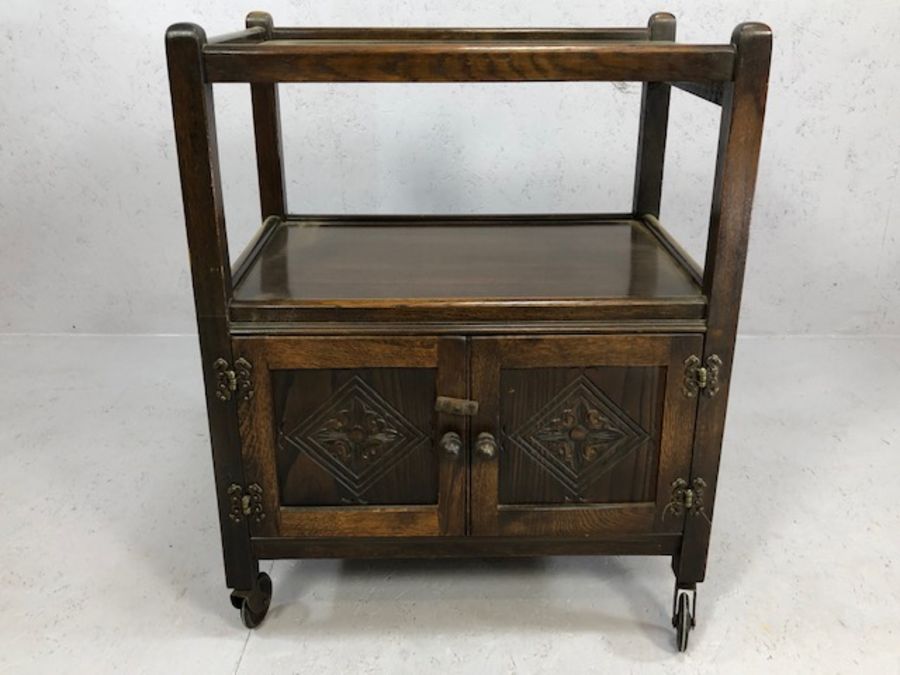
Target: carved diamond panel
579 435
356 436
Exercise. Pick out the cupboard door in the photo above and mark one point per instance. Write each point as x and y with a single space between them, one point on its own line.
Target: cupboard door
342 436
579 436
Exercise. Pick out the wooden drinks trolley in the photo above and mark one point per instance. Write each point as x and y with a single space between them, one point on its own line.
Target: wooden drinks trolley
424 386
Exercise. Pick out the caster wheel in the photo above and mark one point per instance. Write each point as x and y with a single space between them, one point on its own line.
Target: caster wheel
254 605
252 619
683 621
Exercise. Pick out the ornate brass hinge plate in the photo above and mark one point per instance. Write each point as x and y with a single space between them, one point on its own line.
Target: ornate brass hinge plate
456 406
687 498
231 381
247 504
700 377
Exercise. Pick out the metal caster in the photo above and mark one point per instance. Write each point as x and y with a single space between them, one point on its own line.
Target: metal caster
684 608
254 604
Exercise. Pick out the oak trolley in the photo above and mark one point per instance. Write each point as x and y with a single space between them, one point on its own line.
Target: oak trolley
400 386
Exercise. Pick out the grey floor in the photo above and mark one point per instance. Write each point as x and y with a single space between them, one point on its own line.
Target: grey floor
110 558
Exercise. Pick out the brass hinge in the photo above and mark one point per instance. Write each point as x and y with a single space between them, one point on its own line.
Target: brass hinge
687 498
701 378
247 504
237 380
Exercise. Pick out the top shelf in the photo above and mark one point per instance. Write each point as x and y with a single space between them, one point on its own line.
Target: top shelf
265 54
460 34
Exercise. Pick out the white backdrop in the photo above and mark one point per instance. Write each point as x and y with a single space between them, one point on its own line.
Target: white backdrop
90 210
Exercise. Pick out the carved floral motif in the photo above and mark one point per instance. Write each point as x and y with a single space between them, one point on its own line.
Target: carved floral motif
356 436
579 435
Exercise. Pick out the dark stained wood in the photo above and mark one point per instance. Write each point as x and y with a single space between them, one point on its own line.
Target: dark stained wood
370 521
679 415
461 34
342 435
253 33
508 270
267 131
195 136
254 248
570 332
453 477
708 91
459 220
403 352
560 352
653 130
529 261
306 478
676 250
463 310
198 163
476 61
484 374
460 547
571 521
743 113
529 394
604 385
569 327
256 417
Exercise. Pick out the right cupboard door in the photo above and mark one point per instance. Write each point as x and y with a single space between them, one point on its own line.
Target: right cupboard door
580 435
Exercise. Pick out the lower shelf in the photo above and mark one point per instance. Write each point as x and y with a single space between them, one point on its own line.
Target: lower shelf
462 547
441 268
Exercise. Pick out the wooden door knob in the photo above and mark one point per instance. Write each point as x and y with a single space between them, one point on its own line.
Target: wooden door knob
486 445
451 444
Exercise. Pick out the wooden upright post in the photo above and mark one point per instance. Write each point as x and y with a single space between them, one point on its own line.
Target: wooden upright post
743 110
651 151
267 129
198 161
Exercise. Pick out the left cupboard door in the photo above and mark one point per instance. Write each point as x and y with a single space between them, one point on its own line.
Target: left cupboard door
340 437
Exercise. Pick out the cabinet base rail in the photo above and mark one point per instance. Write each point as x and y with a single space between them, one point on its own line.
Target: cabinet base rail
461 547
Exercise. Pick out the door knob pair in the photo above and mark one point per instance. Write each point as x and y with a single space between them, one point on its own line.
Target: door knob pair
485 444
